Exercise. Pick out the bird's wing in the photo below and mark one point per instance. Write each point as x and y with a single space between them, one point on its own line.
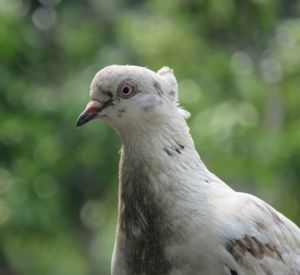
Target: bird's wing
256 238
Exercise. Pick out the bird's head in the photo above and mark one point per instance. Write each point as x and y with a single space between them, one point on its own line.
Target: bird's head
129 97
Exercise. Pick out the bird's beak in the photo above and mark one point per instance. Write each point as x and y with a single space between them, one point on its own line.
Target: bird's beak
92 109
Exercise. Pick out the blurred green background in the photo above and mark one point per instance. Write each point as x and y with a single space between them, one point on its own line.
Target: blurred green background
238 68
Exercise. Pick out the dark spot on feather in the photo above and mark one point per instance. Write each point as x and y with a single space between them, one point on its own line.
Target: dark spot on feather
180 145
232 272
166 149
108 93
275 216
109 102
157 87
176 149
206 181
171 94
249 244
148 108
261 226
97 87
267 208
120 112
169 148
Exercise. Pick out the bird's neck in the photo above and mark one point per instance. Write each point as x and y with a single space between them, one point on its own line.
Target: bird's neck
160 184
159 140
166 149
160 159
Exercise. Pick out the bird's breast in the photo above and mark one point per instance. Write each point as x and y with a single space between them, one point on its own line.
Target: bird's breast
146 229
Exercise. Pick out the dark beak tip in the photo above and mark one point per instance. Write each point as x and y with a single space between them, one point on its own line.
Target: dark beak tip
85 117
79 121
78 124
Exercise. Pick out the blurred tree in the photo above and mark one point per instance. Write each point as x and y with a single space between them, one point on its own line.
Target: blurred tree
238 69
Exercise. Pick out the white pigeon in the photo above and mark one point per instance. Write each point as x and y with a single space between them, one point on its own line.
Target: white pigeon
174 215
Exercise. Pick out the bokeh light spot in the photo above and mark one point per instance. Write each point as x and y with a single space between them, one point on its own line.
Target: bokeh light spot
271 70
241 63
92 214
44 18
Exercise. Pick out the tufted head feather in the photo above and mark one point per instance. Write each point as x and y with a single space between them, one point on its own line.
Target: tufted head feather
130 96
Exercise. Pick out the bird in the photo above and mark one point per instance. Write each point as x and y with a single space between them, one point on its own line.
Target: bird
174 215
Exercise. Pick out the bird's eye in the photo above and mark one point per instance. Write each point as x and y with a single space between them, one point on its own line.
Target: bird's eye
126 89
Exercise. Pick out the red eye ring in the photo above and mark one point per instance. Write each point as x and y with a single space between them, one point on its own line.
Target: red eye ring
126 89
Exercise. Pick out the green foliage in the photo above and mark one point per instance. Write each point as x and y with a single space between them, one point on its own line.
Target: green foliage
238 68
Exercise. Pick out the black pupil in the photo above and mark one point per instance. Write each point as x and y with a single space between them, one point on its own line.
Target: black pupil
126 90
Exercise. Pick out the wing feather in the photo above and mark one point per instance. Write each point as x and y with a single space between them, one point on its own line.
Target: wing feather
258 239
